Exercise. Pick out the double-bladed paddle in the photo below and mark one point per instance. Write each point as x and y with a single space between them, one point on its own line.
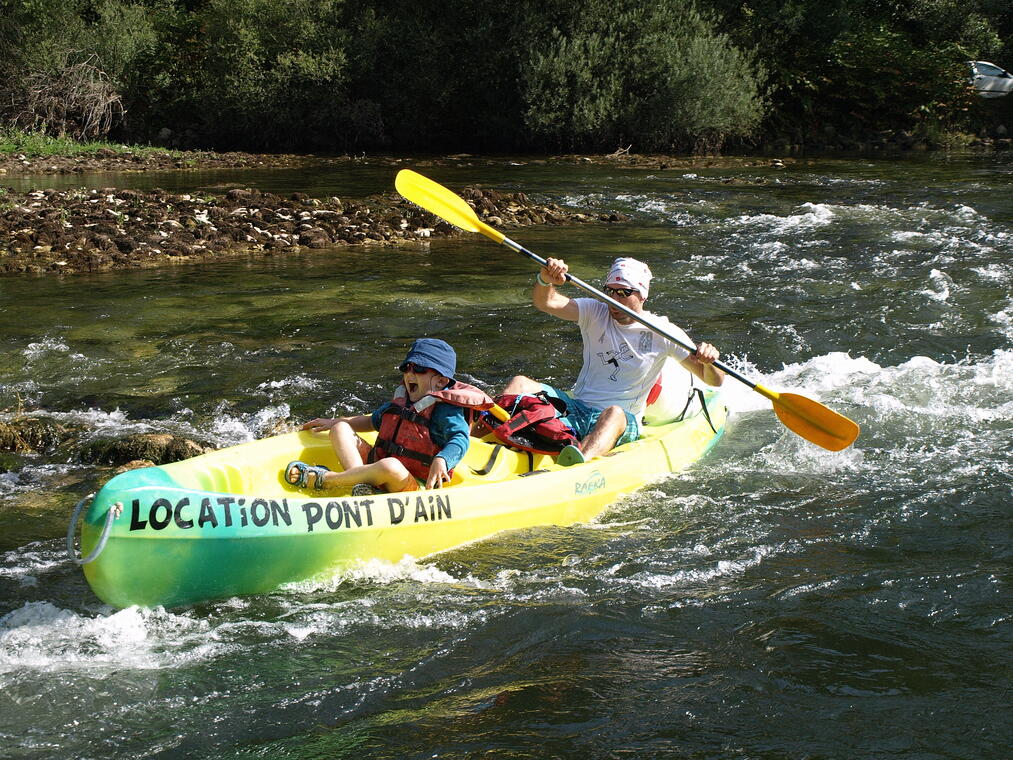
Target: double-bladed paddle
809 419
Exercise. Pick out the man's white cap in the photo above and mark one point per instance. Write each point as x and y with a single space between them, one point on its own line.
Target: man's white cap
630 273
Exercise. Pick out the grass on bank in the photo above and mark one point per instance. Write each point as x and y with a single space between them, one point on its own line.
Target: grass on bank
37 145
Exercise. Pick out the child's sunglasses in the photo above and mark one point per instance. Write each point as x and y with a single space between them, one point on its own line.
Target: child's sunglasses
416 368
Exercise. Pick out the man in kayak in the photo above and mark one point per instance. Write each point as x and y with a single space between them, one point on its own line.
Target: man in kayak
622 358
423 430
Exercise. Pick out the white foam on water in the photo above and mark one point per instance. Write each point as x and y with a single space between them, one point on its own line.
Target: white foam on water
26 563
682 212
690 577
646 205
40 636
787 335
99 423
924 422
792 453
48 363
770 249
48 346
34 476
406 594
380 572
919 414
9 482
949 233
941 285
1004 319
292 383
812 216
979 390
230 430
1001 274
52 361
820 378
824 181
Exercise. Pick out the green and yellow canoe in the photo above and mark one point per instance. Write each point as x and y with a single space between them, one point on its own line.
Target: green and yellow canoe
226 523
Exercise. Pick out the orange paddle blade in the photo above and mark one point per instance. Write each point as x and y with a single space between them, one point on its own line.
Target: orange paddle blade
815 422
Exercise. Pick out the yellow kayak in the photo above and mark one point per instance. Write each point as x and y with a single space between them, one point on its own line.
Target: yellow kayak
226 523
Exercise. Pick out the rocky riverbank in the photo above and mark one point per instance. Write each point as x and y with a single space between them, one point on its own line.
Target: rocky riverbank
139 160
73 231
66 232
145 160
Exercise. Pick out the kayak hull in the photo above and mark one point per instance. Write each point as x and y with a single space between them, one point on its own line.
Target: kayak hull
226 524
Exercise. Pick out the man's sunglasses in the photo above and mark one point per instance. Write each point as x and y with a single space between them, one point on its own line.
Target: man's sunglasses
412 367
620 292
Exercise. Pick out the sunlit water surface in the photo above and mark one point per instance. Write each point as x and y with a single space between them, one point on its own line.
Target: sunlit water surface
774 601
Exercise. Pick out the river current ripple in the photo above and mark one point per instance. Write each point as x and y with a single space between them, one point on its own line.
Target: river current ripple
774 601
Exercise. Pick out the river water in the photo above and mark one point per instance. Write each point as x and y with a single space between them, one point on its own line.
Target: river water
774 601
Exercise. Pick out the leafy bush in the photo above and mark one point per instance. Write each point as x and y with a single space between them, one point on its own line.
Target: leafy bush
654 74
881 80
257 72
36 144
443 74
62 73
849 70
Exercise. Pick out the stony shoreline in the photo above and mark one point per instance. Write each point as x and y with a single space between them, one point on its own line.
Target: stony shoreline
73 231
147 160
109 160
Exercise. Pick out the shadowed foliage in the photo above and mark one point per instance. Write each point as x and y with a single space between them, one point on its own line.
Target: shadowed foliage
650 75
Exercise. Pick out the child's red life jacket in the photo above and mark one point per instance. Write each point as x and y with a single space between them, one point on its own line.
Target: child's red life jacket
404 427
534 423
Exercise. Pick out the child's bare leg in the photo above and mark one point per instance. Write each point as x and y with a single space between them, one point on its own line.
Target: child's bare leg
388 474
351 449
521 384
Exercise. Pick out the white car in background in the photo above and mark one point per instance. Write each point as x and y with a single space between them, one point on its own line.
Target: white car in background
989 80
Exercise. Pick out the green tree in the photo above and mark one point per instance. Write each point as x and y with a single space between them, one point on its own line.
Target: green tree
883 81
261 74
441 74
64 64
656 75
854 69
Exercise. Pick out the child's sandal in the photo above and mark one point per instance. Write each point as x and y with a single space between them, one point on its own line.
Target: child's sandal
303 470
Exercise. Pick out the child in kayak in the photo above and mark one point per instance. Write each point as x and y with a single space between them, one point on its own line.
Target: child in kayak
423 430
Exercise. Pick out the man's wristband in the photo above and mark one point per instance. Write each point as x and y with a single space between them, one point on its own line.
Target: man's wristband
541 281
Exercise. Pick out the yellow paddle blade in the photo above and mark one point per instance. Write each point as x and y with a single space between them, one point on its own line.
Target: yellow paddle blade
446 204
815 422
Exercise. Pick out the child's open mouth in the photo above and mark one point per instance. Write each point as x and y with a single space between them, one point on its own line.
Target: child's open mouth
412 388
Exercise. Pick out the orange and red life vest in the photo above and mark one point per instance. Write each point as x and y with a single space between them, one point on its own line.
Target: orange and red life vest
404 427
534 423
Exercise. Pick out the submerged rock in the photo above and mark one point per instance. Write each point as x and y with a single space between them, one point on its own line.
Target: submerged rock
153 448
23 435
